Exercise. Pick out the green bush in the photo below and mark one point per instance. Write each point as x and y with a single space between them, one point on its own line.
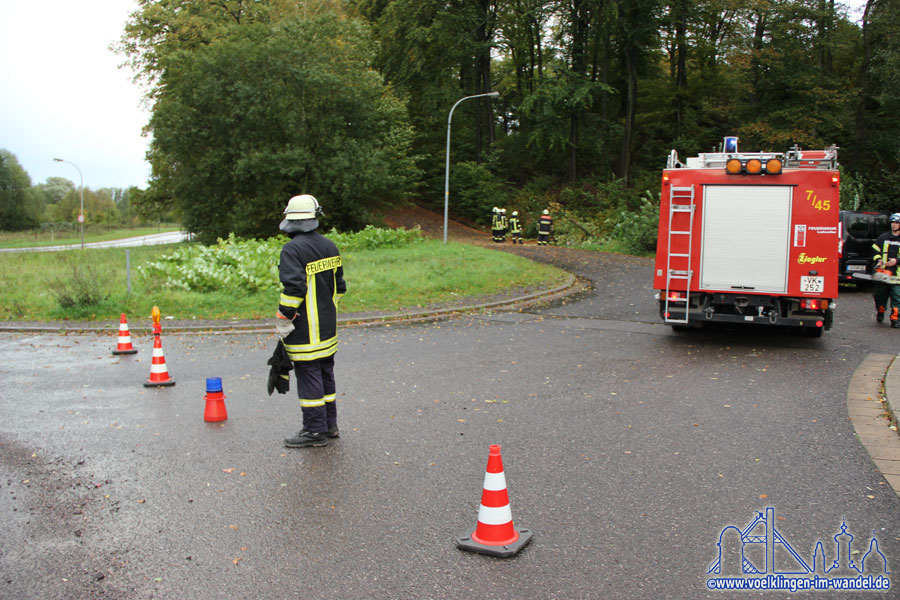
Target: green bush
637 229
84 288
252 265
373 238
474 191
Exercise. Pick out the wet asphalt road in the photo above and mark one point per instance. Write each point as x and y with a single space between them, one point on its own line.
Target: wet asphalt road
627 449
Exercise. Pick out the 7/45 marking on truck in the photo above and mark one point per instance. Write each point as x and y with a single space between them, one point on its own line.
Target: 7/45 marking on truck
812 285
816 203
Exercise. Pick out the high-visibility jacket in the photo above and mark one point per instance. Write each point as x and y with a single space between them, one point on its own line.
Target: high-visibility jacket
313 278
496 221
515 226
545 225
886 247
503 222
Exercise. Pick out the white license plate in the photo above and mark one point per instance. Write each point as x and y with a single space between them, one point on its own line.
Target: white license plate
856 268
812 285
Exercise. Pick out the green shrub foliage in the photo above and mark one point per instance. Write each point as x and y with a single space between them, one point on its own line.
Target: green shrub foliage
252 265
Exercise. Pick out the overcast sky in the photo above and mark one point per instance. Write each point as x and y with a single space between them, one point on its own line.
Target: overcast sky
63 95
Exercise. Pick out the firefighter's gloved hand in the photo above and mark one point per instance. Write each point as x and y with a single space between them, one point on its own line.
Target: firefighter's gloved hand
280 373
278 380
274 374
283 325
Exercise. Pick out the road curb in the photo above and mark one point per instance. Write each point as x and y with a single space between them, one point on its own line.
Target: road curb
349 320
869 405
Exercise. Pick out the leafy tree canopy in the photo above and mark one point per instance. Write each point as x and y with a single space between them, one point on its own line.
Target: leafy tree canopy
267 111
20 205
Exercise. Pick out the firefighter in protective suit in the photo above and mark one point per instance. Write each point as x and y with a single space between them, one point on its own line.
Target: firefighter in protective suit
545 228
886 256
515 228
313 283
496 225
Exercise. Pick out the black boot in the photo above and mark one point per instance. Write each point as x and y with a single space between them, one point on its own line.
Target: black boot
306 438
333 432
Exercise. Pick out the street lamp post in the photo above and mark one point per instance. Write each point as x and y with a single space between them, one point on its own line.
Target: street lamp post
447 166
81 214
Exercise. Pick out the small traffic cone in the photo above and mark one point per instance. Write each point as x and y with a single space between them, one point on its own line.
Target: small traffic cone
159 374
495 533
215 401
124 346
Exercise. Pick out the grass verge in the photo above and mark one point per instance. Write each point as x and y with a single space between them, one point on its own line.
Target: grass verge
420 275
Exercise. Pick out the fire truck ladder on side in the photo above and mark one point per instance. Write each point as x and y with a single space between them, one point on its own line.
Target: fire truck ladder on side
681 201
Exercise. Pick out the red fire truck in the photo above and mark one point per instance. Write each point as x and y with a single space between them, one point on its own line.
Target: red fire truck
749 237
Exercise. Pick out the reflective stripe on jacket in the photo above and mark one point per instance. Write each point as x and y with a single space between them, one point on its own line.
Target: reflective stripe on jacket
545 225
312 274
886 247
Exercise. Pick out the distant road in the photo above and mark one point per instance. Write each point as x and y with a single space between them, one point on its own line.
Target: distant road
154 239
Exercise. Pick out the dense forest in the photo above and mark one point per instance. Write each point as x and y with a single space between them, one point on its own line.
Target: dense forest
256 100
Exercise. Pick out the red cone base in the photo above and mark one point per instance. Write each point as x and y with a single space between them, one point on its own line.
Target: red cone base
215 407
159 374
124 346
495 533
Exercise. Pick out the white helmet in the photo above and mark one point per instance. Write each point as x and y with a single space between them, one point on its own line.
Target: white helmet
515 213
546 212
302 207
503 211
496 210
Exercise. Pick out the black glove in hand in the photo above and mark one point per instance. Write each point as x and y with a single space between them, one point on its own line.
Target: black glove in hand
280 373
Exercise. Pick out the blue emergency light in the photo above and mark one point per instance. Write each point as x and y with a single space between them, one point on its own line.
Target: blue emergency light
731 143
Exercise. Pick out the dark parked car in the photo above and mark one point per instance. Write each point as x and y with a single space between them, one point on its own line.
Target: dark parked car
858 230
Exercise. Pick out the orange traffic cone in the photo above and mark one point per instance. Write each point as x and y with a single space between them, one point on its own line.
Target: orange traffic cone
495 533
159 374
124 346
215 400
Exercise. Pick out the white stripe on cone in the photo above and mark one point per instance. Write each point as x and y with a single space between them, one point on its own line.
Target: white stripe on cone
494 482
489 515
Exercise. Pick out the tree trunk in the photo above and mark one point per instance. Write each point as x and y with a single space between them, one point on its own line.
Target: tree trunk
484 120
578 67
680 64
631 70
759 32
861 116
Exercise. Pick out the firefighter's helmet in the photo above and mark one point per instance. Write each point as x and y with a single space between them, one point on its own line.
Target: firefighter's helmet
546 211
301 215
496 210
502 211
302 207
894 218
515 213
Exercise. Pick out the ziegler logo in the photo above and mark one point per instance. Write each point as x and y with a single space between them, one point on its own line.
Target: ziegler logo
811 260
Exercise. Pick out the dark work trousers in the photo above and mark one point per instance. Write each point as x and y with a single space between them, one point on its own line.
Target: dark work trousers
315 388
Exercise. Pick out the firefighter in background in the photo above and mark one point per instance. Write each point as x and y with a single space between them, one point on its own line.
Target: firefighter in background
313 278
495 225
545 228
515 228
887 255
504 225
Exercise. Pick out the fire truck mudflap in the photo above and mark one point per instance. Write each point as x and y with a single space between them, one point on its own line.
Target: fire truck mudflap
749 237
